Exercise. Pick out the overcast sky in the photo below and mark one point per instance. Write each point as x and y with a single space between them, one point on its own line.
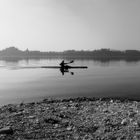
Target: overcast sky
57 25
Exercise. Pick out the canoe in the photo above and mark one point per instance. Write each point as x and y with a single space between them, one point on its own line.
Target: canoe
65 67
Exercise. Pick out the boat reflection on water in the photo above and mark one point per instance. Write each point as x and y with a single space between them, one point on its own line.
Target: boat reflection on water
63 71
64 67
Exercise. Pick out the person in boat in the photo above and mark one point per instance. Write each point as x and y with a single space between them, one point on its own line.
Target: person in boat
64 65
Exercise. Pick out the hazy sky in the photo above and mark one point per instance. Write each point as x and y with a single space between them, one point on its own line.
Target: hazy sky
56 25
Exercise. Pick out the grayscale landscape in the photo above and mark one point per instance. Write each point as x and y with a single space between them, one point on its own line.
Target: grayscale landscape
69 70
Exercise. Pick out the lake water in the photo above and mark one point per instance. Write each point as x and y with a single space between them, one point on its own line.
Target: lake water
102 79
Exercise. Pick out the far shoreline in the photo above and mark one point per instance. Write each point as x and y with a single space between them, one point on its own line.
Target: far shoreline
67 98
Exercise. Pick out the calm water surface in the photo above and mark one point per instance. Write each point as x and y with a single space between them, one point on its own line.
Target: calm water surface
101 79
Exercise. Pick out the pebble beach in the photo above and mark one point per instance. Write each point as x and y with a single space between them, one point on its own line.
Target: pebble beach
71 119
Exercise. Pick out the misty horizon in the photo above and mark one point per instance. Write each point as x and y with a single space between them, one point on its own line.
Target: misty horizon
85 50
51 25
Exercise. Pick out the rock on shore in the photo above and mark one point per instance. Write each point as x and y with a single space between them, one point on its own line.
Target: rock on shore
71 119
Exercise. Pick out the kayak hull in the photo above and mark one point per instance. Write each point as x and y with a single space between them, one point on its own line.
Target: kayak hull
65 67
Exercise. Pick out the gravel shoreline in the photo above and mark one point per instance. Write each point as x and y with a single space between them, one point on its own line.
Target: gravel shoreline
71 119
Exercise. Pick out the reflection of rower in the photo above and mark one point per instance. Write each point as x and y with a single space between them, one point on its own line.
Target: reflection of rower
63 70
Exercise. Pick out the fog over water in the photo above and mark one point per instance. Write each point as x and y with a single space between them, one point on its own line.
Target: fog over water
23 81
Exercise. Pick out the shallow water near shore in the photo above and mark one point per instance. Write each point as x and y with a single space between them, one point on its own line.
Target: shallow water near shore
102 79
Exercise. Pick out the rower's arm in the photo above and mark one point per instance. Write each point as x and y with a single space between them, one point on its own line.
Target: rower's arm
66 63
69 62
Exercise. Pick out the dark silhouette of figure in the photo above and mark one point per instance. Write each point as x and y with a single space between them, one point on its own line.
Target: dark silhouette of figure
65 68
63 64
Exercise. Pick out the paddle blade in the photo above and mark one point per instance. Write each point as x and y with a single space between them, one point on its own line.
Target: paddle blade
72 61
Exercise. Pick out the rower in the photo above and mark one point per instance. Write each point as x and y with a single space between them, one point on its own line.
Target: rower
63 64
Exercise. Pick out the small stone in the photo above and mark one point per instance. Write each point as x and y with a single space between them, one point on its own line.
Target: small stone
138 122
6 130
71 101
69 128
56 125
17 113
88 137
37 120
12 109
111 101
51 120
64 107
132 114
31 117
21 104
124 122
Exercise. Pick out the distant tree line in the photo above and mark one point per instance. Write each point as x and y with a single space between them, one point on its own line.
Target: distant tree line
13 52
